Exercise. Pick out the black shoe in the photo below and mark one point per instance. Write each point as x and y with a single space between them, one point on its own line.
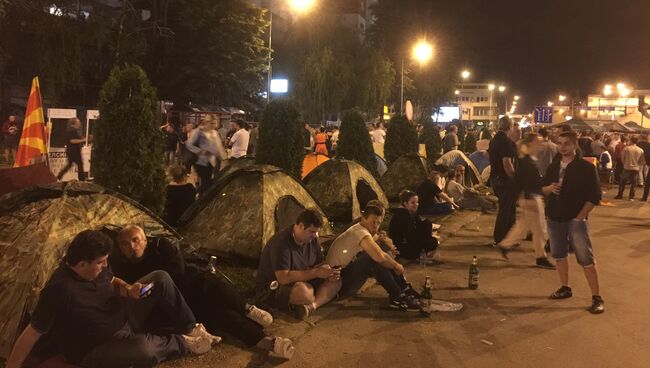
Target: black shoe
405 303
597 305
547 247
618 197
410 291
644 199
562 293
398 303
413 304
543 262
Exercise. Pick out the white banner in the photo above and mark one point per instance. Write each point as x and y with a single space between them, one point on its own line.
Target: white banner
61 113
58 158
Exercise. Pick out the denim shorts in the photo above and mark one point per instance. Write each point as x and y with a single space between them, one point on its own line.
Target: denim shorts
571 234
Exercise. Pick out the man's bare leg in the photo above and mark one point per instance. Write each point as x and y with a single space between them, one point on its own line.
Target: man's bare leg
592 278
326 292
563 270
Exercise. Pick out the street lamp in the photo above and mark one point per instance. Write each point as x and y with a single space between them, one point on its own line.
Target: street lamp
549 104
561 98
502 88
300 6
422 52
465 74
516 98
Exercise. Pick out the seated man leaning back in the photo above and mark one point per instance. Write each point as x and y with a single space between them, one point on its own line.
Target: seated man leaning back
96 319
292 274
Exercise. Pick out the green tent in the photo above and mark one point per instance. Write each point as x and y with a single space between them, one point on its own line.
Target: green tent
407 172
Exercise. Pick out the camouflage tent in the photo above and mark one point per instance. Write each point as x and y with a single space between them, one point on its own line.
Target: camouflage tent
242 210
407 172
455 158
37 224
344 188
235 164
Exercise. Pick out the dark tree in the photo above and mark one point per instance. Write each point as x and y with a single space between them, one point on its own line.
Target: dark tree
128 146
355 143
281 137
401 138
432 141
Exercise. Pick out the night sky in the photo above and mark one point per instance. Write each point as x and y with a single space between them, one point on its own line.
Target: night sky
544 47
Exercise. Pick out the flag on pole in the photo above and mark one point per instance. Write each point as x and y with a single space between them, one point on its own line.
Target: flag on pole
31 148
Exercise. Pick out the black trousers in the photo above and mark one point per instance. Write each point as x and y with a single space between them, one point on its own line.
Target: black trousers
205 177
221 308
422 240
507 212
74 158
632 177
646 186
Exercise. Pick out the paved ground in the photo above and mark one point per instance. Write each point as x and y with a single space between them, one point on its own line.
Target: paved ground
510 311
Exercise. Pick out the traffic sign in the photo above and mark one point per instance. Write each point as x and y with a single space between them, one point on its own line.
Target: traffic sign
543 114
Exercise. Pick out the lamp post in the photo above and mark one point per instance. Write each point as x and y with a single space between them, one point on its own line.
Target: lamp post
422 52
300 6
491 87
503 89
465 74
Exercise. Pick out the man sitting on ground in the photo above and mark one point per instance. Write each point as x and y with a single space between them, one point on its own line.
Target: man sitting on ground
97 320
292 274
217 304
433 201
360 257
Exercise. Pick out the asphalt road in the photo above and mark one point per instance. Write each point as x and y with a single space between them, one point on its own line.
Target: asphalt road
508 322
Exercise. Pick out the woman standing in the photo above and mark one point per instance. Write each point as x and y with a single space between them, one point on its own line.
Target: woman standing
206 144
321 142
529 182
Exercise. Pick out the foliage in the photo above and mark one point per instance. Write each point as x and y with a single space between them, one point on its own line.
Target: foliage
323 84
281 137
375 76
355 143
432 141
401 138
127 155
217 54
470 142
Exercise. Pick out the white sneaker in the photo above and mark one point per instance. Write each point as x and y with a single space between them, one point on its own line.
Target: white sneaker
199 330
260 316
283 347
198 345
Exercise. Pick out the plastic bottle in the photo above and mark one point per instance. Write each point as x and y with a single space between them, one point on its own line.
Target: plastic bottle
472 281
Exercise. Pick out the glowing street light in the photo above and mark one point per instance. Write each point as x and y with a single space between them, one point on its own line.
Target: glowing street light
562 98
502 88
465 74
516 98
422 52
302 5
607 90
456 92
491 87
549 103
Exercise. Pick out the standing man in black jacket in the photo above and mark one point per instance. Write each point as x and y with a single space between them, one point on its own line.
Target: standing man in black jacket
573 190
502 152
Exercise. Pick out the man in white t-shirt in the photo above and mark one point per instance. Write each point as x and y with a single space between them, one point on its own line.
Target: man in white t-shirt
378 134
356 251
239 140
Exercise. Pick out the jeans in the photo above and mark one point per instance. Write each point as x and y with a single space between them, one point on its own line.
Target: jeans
628 176
574 233
355 274
437 209
169 157
135 344
205 177
507 210
532 219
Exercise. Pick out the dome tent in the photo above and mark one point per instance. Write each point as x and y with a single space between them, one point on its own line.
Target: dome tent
311 161
243 210
454 158
37 225
407 172
235 164
344 188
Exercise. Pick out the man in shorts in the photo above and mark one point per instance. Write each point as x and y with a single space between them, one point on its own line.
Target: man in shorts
292 274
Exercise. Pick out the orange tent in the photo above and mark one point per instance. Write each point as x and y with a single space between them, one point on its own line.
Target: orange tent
311 161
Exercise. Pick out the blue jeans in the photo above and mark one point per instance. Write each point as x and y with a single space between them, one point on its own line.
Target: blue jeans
437 209
355 274
567 234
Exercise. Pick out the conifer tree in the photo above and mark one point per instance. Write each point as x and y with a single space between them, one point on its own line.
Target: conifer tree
355 143
282 137
401 138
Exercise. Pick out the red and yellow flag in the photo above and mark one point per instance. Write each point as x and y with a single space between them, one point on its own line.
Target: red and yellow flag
33 139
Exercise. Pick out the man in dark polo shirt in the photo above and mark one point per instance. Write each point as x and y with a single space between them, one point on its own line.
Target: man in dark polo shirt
74 140
292 273
96 319
502 152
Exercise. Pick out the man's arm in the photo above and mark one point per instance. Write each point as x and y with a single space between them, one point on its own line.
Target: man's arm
23 347
584 212
123 289
286 277
374 251
508 167
445 197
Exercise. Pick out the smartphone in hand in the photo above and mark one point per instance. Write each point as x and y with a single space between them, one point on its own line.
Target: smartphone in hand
146 290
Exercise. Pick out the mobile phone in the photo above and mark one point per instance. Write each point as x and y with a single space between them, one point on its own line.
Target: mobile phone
336 267
144 291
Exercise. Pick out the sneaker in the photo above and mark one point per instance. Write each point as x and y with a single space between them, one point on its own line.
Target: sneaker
618 197
410 291
597 305
259 316
199 330
283 348
543 262
563 292
412 304
302 311
398 303
547 246
504 252
198 345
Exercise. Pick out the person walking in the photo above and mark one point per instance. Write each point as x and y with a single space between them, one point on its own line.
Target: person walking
572 189
321 142
618 158
529 182
205 142
633 161
502 154
74 140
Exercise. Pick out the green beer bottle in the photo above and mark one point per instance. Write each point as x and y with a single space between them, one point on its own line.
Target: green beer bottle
425 297
473 274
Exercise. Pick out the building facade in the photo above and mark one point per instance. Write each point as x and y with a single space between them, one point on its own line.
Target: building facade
477 102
